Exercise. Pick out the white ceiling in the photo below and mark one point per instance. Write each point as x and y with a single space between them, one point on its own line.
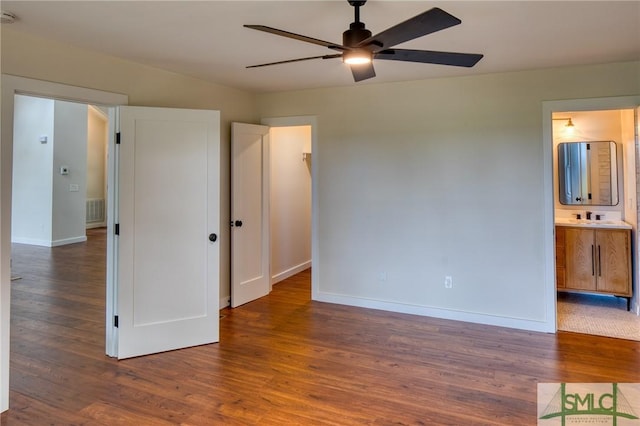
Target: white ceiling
206 39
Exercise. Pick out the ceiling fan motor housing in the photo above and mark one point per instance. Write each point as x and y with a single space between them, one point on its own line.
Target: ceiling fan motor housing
355 34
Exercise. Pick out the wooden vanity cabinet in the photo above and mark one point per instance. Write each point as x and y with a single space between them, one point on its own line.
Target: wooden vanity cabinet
594 260
560 258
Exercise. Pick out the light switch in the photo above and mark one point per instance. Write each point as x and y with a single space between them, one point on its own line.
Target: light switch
64 170
74 187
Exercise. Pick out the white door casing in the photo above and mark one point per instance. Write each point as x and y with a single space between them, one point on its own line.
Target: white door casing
12 85
250 277
169 204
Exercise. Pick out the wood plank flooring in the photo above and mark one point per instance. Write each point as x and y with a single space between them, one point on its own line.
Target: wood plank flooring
282 360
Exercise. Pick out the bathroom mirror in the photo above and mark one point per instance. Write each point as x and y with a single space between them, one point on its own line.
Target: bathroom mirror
588 173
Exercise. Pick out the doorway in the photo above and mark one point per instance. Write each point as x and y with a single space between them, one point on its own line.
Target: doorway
290 201
58 238
303 129
271 199
12 85
583 194
60 173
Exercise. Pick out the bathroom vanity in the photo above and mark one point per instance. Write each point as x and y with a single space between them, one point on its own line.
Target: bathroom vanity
594 257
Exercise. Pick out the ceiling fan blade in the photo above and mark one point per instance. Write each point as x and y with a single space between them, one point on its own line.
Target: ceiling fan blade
430 57
337 55
427 22
362 71
294 36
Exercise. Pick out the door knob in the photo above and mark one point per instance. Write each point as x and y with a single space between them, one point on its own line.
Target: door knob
238 223
213 238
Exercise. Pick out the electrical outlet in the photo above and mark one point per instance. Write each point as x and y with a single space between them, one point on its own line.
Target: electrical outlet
448 282
382 276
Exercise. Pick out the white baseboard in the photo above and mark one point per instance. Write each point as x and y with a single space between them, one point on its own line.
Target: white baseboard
47 243
96 225
290 272
518 323
66 241
31 241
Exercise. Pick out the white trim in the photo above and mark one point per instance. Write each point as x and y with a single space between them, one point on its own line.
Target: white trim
93 225
548 226
111 305
48 243
478 318
290 272
31 241
65 241
12 85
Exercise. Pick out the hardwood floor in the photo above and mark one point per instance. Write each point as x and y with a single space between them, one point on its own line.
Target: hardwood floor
282 359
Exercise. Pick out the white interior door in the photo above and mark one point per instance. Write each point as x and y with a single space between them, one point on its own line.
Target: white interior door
249 213
169 211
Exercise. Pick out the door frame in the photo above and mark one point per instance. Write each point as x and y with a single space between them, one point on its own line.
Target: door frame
307 120
549 180
12 85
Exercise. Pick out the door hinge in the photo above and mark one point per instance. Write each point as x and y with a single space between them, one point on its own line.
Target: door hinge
117 229
118 138
115 321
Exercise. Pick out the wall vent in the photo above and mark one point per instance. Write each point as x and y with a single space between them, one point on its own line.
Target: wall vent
95 210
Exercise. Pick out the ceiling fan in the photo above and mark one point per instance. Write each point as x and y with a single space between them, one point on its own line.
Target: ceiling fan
359 48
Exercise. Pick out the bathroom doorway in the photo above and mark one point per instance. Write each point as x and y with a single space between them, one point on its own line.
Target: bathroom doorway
594 152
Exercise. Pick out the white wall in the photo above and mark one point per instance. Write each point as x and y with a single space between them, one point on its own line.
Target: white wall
32 171
45 210
420 180
290 201
70 149
96 154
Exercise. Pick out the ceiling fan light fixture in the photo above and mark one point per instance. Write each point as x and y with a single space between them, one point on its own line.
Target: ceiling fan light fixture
359 47
357 57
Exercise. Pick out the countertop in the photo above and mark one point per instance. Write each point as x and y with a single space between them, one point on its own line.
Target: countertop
583 223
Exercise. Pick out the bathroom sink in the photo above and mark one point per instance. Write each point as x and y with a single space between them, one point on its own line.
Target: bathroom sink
592 223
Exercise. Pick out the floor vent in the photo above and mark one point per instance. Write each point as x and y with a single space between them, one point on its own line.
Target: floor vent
95 210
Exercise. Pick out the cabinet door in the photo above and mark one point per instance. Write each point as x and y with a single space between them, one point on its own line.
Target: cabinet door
580 261
613 261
